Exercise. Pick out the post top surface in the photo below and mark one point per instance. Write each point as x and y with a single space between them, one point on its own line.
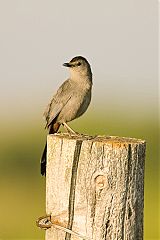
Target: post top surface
98 138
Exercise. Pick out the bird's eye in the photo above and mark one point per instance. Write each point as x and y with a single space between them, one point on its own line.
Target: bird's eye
78 64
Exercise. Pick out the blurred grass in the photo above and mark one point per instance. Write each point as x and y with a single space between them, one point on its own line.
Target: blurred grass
22 188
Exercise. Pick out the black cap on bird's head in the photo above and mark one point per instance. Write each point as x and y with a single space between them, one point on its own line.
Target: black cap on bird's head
76 62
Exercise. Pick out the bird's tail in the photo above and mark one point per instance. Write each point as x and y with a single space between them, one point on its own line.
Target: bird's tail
52 129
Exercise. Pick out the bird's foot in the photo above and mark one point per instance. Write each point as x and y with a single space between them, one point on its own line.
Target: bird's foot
69 129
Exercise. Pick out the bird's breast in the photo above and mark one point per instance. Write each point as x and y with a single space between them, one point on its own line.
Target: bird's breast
76 106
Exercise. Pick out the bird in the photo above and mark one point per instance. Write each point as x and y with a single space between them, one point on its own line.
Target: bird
70 101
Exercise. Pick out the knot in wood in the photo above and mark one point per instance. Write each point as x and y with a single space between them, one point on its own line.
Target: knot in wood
100 181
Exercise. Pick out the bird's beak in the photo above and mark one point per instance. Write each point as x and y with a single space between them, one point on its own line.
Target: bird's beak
67 64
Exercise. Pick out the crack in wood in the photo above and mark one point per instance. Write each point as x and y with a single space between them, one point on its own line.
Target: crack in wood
126 192
61 148
106 219
73 187
106 229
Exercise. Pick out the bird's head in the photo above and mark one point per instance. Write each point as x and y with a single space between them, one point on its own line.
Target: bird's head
79 67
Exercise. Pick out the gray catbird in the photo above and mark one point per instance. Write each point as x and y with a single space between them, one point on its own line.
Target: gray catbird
71 100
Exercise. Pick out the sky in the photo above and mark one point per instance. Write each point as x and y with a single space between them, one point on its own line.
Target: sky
119 39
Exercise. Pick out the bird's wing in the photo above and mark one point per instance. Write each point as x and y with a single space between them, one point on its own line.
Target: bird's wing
58 101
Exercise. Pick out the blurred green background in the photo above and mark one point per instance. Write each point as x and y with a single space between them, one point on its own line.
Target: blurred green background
120 40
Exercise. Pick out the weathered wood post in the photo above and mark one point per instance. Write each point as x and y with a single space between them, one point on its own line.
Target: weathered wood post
95 187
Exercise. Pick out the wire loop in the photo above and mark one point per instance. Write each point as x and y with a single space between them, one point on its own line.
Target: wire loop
45 223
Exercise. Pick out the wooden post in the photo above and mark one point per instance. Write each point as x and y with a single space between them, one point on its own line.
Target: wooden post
95 187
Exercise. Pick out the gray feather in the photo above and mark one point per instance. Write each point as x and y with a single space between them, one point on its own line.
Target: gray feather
58 101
